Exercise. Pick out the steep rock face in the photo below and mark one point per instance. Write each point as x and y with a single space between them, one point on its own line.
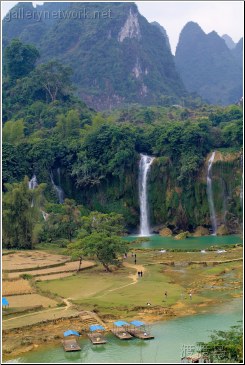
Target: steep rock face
163 31
237 52
116 55
186 206
172 203
131 28
207 66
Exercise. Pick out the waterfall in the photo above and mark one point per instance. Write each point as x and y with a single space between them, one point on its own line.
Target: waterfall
45 215
33 182
210 195
33 185
144 168
57 188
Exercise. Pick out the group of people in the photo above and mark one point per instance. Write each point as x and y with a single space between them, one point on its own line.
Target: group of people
140 274
133 256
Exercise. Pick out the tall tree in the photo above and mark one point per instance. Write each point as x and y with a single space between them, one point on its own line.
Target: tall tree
224 346
54 78
19 215
19 59
100 239
71 219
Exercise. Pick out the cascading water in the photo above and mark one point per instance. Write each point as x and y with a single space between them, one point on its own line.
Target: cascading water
45 215
144 167
210 195
33 185
57 188
33 182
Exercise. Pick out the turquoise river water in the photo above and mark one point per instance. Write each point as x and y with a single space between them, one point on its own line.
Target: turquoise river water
171 338
191 243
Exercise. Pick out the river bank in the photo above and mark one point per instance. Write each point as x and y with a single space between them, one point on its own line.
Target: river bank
50 333
94 296
170 336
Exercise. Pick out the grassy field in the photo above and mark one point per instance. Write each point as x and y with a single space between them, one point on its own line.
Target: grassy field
115 293
122 294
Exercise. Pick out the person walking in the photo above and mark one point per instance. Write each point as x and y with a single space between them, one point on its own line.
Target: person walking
166 294
141 273
190 295
135 261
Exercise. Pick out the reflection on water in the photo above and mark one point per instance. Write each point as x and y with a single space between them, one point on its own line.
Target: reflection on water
170 337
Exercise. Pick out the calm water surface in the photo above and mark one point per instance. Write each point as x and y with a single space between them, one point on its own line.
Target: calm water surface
170 337
190 243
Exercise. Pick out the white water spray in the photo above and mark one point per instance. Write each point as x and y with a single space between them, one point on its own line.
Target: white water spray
210 195
57 188
33 182
33 185
144 168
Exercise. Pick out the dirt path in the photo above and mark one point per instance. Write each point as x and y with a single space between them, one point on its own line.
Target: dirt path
35 317
67 302
134 277
138 268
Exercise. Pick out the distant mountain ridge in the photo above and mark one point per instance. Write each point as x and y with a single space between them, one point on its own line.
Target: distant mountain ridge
116 60
229 41
207 66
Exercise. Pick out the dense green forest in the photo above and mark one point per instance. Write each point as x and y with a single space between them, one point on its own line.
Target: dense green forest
93 157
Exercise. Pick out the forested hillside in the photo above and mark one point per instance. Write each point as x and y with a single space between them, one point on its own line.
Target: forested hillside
93 158
116 55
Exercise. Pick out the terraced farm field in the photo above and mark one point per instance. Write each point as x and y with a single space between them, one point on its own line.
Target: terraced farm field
12 287
31 259
19 292
30 300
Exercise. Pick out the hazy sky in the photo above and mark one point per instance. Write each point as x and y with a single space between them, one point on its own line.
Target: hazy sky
225 17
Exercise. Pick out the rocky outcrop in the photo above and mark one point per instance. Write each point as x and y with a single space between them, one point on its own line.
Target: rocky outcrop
201 231
182 235
222 230
166 232
131 28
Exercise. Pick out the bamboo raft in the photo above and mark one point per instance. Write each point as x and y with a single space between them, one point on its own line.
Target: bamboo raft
121 333
139 329
96 338
143 335
71 345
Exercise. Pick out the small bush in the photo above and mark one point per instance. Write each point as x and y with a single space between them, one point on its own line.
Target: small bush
26 276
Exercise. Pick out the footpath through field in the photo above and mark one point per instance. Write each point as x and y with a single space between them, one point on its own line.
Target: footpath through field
134 277
64 312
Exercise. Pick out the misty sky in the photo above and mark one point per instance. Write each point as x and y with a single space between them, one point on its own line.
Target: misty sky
225 17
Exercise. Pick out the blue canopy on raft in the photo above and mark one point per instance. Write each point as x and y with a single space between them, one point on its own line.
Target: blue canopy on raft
4 301
96 327
137 323
121 323
71 333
